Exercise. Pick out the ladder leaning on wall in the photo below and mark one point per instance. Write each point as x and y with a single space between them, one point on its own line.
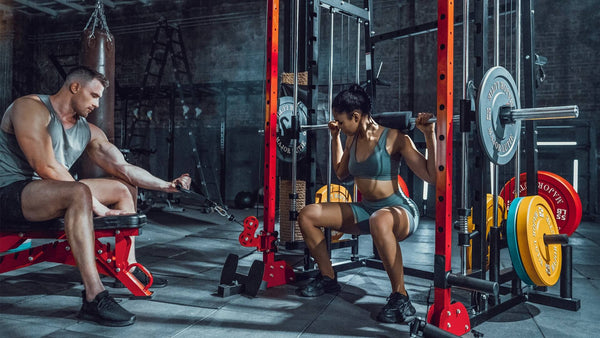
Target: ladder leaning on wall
168 42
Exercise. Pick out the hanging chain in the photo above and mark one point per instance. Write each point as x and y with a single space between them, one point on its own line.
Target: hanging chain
98 15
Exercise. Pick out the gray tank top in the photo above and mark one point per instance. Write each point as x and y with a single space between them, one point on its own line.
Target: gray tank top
68 145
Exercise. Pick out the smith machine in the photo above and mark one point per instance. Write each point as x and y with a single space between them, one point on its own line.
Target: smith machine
540 254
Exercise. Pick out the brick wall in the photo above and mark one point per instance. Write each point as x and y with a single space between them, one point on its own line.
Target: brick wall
226 42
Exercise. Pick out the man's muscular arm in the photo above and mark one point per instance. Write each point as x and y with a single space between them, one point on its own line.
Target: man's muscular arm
29 120
109 158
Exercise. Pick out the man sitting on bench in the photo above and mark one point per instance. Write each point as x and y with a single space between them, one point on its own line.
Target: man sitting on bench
42 136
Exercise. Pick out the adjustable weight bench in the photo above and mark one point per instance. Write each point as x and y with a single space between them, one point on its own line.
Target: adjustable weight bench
110 261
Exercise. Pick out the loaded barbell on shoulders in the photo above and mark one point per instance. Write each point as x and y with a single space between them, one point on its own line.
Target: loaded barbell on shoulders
498 118
403 120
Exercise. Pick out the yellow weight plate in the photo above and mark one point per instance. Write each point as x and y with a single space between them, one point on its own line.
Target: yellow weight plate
489 222
337 193
542 262
521 231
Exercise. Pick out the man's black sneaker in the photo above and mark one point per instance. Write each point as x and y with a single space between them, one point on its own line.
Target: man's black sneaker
157 282
105 310
397 310
320 285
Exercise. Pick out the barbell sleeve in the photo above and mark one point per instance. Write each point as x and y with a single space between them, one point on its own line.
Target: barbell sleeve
509 115
556 239
455 119
313 127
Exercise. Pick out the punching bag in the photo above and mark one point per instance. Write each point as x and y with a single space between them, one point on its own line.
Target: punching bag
97 51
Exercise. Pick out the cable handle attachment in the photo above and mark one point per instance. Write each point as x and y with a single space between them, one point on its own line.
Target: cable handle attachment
218 208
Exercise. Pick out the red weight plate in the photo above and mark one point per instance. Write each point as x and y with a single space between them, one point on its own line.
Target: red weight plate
558 192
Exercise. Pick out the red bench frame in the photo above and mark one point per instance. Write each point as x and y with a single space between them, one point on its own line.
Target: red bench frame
110 261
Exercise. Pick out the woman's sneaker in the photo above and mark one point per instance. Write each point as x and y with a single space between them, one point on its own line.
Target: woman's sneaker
320 285
397 310
105 310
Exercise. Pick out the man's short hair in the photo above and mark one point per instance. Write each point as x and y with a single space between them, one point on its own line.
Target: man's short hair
86 74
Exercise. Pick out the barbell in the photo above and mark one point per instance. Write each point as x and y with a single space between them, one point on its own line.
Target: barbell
401 120
498 117
404 121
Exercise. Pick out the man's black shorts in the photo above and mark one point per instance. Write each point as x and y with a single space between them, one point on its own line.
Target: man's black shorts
10 202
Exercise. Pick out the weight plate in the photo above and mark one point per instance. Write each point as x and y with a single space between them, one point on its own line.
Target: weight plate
542 262
337 193
285 132
490 220
523 240
498 140
513 244
558 192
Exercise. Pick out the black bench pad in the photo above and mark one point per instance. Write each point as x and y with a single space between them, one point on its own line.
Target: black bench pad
133 221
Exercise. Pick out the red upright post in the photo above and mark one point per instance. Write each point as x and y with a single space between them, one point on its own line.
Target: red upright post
443 314
276 273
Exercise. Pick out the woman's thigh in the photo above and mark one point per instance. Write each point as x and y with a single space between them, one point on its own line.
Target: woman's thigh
336 216
396 218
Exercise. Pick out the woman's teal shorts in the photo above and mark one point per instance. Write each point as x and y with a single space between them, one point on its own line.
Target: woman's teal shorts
364 209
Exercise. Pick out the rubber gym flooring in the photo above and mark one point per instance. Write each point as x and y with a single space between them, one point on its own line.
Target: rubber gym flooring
189 248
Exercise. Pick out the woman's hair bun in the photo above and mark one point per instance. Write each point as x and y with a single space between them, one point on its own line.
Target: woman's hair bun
355 88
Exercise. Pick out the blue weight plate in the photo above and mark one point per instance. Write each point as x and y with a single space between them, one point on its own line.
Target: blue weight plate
511 239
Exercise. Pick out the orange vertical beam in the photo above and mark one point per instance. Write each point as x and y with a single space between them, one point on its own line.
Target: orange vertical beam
443 219
452 317
276 273
271 114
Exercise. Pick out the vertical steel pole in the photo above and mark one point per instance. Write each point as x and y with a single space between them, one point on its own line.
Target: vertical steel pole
369 56
358 27
530 91
494 258
480 161
355 256
295 123
518 80
465 138
329 105
330 96
496 32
